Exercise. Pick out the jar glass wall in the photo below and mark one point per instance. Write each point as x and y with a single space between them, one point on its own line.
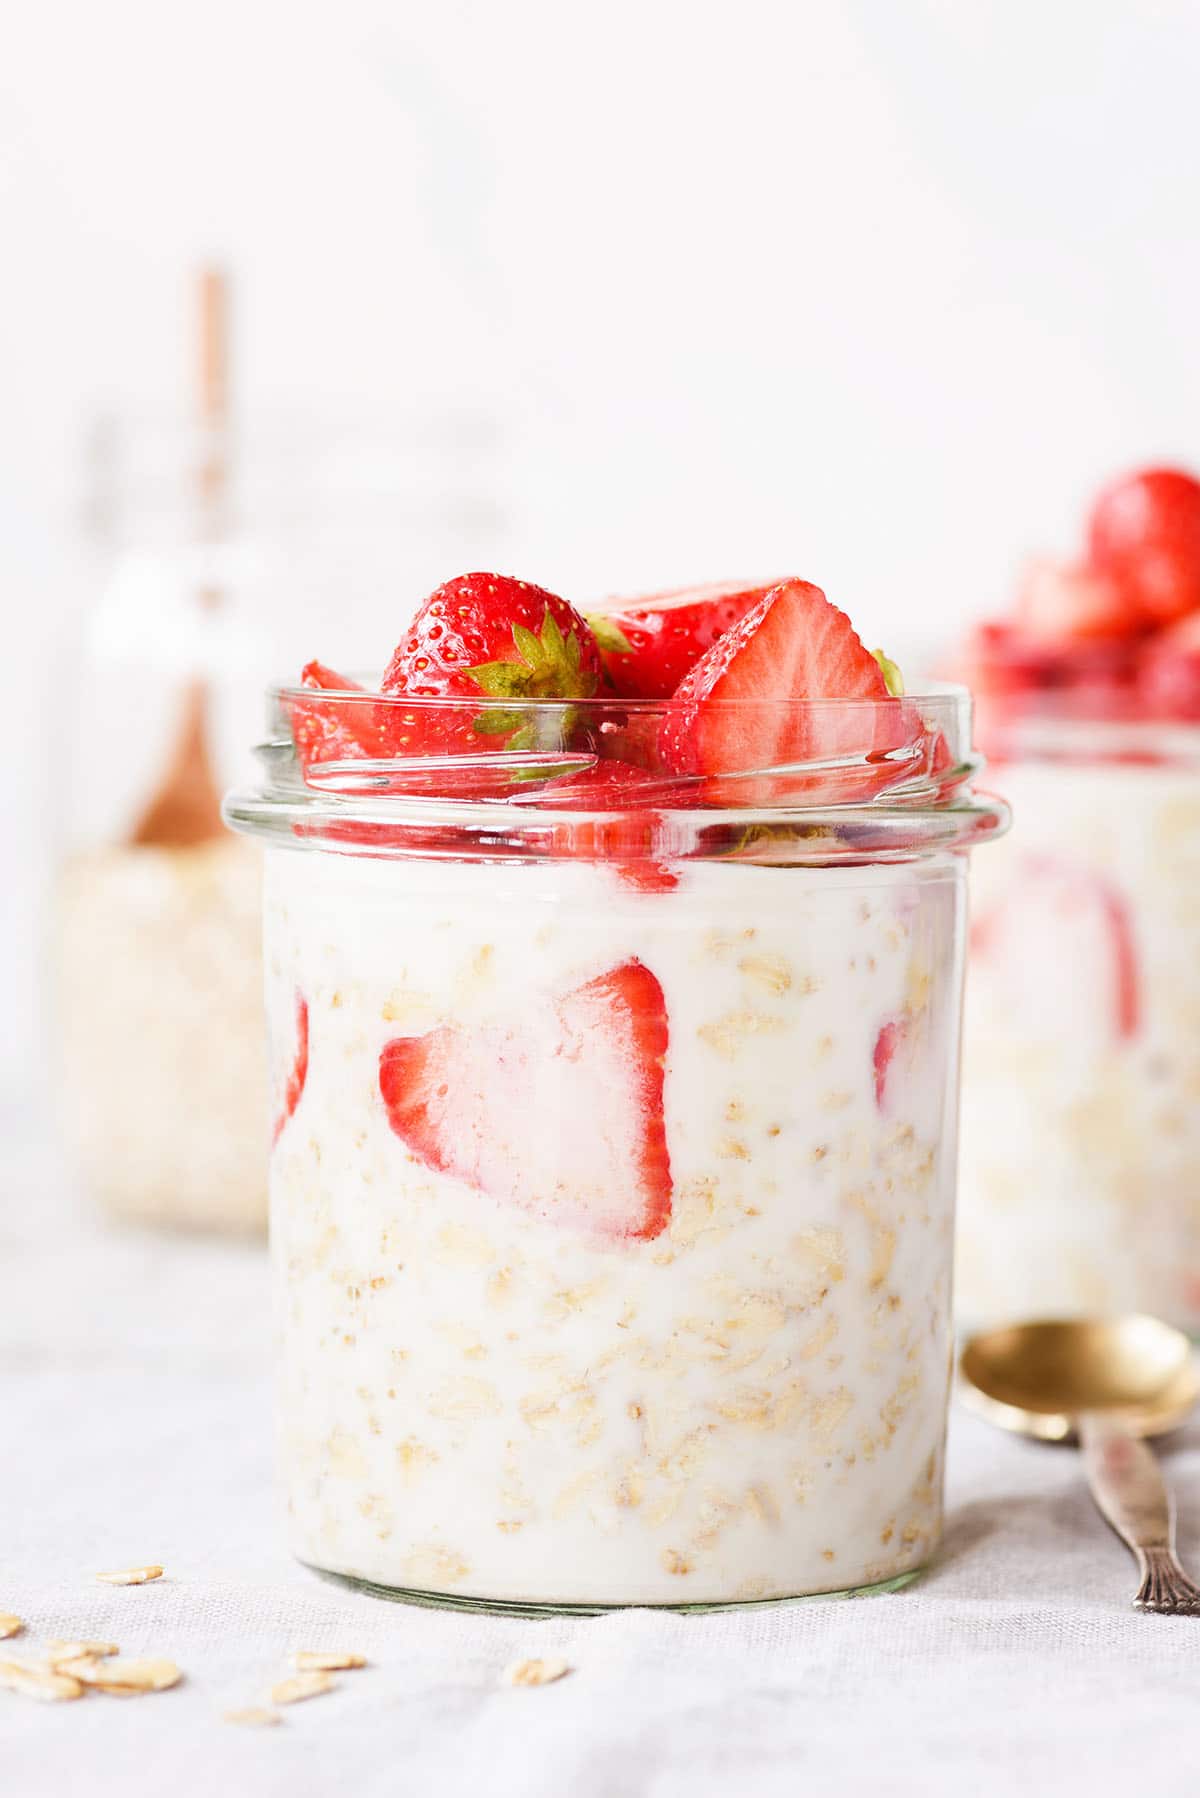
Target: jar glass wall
613 1180
1080 1171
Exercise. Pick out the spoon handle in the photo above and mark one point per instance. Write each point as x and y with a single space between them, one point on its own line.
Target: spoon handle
1129 1489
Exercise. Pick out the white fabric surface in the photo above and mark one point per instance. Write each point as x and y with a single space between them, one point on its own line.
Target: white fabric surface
136 1428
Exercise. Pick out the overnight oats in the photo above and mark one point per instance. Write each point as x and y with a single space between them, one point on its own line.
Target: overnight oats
616 1038
1080 1168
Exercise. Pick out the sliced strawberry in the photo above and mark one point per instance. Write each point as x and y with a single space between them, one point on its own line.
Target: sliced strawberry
892 1037
1168 677
488 635
345 729
736 710
1058 901
1061 602
297 1073
648 645
941 756
559 1112
1145 530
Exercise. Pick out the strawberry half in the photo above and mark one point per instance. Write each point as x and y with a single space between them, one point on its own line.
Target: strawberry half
559 1113
490 635
648 645
337 730
297 1074
735 710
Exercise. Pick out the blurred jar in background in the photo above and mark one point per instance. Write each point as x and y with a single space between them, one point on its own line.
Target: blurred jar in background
220 556
1080 1171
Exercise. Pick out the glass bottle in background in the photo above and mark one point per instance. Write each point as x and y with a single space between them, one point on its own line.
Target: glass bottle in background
215 545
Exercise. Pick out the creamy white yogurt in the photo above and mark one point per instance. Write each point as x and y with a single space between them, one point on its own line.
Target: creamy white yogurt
494 1402
1080 1170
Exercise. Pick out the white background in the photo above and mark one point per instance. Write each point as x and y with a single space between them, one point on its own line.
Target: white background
874 291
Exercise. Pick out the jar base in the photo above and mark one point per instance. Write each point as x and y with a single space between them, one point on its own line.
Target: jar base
506 1607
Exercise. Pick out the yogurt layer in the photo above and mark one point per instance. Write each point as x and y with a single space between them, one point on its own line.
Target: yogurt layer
509 1401
1080 1172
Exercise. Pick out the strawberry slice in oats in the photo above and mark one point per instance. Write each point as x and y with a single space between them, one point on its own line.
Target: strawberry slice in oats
559 1112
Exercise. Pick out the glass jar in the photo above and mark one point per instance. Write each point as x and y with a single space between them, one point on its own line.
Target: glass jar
1080 1170
217 552
613 1178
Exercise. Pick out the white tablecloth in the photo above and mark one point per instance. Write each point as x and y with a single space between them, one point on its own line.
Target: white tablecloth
135 1428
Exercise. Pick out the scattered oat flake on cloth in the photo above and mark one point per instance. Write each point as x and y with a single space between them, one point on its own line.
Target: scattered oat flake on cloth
302 1685
61 1650
9 1625
131 1576
255 1716
46 1683
120 1677
535 1673
310 1660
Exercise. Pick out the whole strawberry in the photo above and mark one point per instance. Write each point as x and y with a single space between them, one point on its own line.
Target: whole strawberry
490 636
1145 532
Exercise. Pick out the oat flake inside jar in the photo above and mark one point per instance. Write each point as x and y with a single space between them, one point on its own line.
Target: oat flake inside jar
612 1187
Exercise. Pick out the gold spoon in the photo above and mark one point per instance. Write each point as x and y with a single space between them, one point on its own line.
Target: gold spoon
1107 1383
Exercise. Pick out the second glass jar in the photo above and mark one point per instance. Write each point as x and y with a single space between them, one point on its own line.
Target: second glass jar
1080 1173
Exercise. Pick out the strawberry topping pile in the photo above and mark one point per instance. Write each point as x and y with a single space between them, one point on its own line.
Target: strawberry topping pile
1113 633
532 676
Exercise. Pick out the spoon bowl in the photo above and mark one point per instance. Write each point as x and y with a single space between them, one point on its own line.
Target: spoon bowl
1037 1378
1105 1382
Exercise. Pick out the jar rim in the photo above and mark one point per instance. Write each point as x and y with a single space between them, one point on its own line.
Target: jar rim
1048 733
887 779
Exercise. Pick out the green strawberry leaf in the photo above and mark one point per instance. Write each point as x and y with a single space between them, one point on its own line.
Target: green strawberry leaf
893 680
500 680
528 647
552 640
609 636
550 667
496 724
